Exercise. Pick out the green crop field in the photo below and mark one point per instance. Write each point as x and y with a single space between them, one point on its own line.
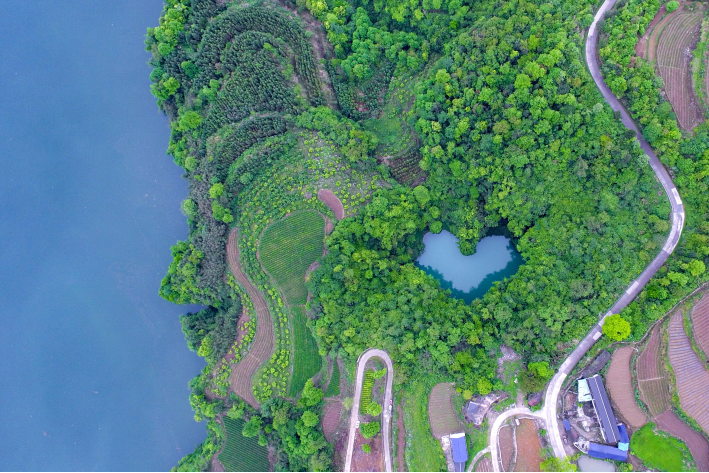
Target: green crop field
288 247
241 453
333 388
659 450
306 360
367 385
423 452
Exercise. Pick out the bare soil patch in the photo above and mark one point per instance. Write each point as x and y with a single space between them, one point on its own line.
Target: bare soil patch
262 346
690 373
652 379
620 384
332 419
700 321
655 34
401 438
373 461
698 445
329 198
484 464
507 446
641 47
441 416
528 447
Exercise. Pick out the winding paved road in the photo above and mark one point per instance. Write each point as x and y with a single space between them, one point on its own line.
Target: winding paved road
386 413
552 393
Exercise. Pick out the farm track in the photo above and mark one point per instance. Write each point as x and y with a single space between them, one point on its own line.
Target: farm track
620 384
652 381
691 374
698 445
443 421
264 341
652 44
641 46
700 321
674 47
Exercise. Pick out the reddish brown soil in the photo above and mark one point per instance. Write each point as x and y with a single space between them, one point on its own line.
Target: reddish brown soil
262 346
698 445
401 439
652 381
528 447
332 418
655 34
216 465
690 373
329 198
373 461
700 321
641 47
506 446
620 386
676 42
484 464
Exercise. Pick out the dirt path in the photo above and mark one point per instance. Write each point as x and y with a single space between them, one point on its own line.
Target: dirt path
641 47
262 347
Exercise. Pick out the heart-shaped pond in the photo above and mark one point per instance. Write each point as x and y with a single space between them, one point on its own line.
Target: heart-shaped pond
468 277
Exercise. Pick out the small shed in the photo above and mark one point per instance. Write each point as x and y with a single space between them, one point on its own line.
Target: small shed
624 441
567 426
584 391
460 450
606 452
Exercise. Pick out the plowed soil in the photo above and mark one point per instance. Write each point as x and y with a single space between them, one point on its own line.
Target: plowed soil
652 380
528 447
691 374
329 198
700 321
373 461
484 464
401 440
262 347
507 446
440 411
620 386
332 418
698 445
641 47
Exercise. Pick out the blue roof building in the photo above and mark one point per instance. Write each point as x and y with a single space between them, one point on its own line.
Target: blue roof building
567 426
460 451
609 426
605 452
624 442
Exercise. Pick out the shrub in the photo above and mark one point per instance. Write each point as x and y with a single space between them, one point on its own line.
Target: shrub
370 430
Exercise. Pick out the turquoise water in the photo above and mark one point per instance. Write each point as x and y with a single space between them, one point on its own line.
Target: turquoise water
594 464
94 366
468 277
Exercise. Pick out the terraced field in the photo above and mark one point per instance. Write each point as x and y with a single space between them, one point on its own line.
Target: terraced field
691 375
698 445
241 453
674 52
620 384
652 379
332 418
262 347
333 387
700 321
306 360
288 247
440 411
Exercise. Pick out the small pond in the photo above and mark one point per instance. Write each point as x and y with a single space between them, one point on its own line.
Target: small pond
468 277
593 464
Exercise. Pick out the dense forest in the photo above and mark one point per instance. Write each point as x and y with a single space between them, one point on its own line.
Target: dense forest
491 103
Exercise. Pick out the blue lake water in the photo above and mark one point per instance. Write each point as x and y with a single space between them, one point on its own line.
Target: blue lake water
94 366
468 277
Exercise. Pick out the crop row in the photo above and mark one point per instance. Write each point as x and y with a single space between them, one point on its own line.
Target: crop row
367 385
241 453
306 359
700 322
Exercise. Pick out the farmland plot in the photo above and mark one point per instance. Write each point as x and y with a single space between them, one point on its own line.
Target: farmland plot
620 384
698 445
692 376
306 359
288 247
674 53
652 379
700 321
241 453
440 411
332 418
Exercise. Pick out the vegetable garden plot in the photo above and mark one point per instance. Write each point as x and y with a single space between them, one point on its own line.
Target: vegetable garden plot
652 380
333 387
332 418
440 411
691 374
700 322
698 445
620 386
241 453
288 247
306 359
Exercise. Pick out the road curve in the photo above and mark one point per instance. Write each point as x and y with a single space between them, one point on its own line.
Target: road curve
477 457
552 393
386 413
495 431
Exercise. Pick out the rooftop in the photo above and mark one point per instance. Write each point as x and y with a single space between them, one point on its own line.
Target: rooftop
609 426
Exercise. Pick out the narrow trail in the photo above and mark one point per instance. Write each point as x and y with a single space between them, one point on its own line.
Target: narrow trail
264 341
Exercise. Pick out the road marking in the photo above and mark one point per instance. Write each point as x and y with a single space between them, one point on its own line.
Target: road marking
632 287
676 196
597 335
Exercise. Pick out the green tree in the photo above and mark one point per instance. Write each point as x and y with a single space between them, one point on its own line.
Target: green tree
616 328
311 395
370 429
310 419
253 427
672 6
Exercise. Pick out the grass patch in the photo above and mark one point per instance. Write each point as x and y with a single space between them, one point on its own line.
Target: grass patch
333 387
423 452
241 453
660 451
306 359
288 247
477 440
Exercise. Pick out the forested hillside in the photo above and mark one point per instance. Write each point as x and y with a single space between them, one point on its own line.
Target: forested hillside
485 113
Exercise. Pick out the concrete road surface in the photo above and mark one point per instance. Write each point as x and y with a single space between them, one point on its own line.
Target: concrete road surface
386 413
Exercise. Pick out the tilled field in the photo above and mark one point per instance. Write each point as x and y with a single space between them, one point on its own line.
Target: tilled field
328 198
332 419
652 380
698 445
507 446
260 352
484 464
441 416
620 385
700 321
691 375
674 53
528 447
